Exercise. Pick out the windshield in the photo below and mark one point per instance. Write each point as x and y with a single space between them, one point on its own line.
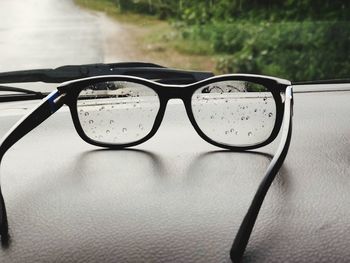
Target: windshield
296 41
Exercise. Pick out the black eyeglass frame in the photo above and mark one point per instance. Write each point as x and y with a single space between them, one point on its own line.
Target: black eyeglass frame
166 92
67 93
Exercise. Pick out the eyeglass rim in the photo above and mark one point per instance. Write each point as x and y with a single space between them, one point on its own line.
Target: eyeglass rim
275 85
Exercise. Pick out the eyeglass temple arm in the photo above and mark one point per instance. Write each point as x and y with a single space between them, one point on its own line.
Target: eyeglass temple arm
138 69
46 108
242 237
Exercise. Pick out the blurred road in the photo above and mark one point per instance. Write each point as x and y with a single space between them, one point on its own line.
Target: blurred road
47 33
51 33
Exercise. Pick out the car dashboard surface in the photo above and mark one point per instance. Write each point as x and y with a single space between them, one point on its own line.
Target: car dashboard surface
176 198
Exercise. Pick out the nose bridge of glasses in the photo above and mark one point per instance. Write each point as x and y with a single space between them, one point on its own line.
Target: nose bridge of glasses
176 92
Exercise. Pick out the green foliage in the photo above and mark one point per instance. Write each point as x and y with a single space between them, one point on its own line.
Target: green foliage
203 11
295 39
294 50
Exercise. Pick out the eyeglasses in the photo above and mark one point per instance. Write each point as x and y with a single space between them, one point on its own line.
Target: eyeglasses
237 112
125 107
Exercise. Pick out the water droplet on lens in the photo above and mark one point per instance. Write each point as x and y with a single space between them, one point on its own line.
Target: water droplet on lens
255 110
250 134
270 114
247 118
124 130
242 118
108 131
91 121
264 98
86 114
226 132
111 121
232 130
236 132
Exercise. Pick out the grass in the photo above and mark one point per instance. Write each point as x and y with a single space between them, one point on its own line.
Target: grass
157 40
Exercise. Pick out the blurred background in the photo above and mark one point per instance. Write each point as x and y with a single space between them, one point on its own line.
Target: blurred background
298 40
293 39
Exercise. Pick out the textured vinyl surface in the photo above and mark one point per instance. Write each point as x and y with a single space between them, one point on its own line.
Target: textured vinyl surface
176 198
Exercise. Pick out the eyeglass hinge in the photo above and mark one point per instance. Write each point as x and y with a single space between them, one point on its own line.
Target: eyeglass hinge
56 100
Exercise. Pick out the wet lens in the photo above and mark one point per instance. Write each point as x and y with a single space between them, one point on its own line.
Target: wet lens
235 113
117 112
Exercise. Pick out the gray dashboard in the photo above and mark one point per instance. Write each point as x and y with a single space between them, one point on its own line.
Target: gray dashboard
176 198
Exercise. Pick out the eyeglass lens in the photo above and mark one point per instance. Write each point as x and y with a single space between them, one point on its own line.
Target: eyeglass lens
117 112
235 113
